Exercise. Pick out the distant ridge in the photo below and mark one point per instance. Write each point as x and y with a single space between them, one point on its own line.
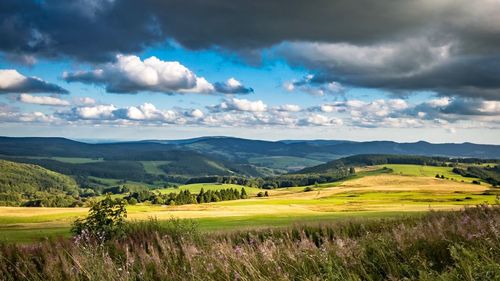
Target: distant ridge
238 148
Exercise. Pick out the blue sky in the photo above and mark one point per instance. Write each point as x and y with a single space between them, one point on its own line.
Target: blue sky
159 77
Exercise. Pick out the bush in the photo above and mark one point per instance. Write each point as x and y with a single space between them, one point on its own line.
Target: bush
132 201
308 188
105 221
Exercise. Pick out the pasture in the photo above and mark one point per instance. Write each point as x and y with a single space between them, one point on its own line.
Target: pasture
426 171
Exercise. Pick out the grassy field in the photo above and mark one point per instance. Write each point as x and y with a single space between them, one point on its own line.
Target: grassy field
427 171
461 245
409 189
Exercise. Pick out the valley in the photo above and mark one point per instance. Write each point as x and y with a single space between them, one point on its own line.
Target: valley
389 190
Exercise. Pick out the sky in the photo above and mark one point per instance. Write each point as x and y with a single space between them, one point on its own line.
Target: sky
361 70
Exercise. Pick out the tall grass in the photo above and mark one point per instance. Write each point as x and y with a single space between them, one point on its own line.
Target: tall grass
463 245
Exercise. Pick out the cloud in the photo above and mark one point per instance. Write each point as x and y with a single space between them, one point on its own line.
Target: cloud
29 117
196 113
105 27
447 46
401 67
455 113
129 74
146 113
12 81
312 87
232 86
321 120
456 109
83 101
43 100
28 60
97 112
234 104
288 108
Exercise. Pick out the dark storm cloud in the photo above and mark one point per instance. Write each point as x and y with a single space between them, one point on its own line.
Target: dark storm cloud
472 107
447 46
91 29
88 30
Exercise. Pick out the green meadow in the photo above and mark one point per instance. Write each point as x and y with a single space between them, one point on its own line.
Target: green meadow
427 171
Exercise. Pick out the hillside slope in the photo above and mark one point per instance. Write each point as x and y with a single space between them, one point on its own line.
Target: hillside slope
370 160
27 178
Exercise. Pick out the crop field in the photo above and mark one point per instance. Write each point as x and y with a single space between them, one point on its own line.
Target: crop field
408 190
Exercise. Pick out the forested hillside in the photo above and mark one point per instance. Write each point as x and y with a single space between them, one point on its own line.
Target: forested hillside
381 159
24 183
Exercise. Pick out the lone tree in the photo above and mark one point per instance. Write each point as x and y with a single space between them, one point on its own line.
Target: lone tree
106 220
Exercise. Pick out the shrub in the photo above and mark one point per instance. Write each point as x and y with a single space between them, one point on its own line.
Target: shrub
132 201
105 220
308 188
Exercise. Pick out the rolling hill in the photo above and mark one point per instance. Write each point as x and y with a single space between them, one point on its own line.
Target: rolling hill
381 159
153 160
321 149
32 185
17 177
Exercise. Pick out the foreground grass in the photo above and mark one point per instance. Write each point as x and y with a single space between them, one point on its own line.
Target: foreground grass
35 232
462 245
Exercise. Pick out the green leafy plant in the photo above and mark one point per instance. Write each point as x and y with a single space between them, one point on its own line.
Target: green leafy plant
106 220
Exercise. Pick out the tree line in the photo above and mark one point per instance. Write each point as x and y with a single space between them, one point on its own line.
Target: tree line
186 197
282 181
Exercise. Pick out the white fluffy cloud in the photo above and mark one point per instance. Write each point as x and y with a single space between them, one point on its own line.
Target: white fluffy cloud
289 108
130 74
146 113
231 112
84 101
196 113
321 120
26 117
43 100
234 104
98 112
11 81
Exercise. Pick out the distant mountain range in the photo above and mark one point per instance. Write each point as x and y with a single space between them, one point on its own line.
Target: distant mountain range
231 147
211 155
338 148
